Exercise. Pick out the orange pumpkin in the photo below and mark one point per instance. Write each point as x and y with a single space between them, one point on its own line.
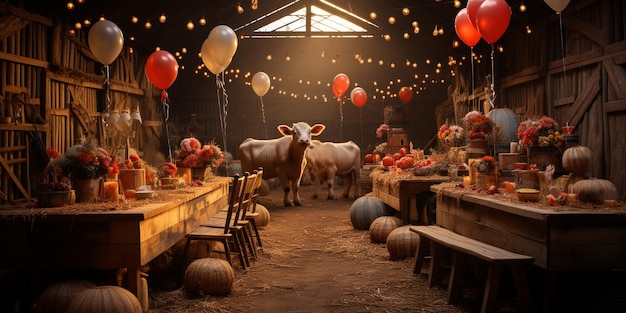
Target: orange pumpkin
105 299
209 276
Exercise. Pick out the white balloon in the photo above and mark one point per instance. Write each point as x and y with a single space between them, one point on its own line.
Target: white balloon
105 41
260 83
355 90
208 61
222 44
557 5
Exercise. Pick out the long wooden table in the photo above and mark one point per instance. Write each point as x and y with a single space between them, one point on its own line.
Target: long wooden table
559 238
95 237
398 191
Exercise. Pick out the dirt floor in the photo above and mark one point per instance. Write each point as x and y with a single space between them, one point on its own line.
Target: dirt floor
313 260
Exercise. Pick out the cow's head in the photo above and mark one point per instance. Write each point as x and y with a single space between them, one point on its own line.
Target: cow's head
301 132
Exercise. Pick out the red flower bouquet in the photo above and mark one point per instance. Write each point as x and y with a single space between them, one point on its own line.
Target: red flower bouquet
543 132
193 154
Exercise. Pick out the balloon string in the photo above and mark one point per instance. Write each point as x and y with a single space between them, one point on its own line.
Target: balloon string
473 87
106 84
224 104
361 124
166 117
340 119
492 97
562 45
263 114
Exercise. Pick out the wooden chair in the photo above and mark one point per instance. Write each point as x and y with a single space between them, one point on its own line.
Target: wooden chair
231 239
239 226
248 207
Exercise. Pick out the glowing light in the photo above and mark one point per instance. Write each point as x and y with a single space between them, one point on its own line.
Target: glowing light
162 18
190 25
391 20
70 5
148 25
406 11
373 15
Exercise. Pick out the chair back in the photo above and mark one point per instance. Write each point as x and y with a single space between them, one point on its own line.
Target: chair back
246 197
234 200
257 190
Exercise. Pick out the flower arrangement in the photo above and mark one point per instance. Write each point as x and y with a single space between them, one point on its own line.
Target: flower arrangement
193 154
487 164
541 132
80 161
382 129
135 162
167 169
451 135
478 125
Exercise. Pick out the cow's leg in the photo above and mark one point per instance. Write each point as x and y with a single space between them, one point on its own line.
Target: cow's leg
286 197
317 186
330 182
346 190
295 185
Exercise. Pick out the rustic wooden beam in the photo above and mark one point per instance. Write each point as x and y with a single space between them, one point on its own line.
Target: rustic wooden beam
564 101
595 34
23 60
16 181
19 12
585 98
11 24
615 106
115 85
617 77
526 75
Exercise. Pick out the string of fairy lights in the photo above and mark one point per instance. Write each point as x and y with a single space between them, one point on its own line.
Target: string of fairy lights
433 72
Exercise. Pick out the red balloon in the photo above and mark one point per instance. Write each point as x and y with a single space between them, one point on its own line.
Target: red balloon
406 94
359 98
472 9
492 19
162 69
465 30
341 83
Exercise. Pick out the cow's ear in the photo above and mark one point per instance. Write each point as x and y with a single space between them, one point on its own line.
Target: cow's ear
284 129
317 129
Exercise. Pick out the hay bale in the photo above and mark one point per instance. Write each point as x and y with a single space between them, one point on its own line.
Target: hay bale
382 226
402 243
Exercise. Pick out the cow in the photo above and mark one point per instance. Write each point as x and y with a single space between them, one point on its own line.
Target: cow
327 159
281 157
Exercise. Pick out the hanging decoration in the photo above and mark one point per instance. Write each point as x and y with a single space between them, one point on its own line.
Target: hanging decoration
557 5
217 52
465 29
358 96
470 36
162 70
405 94
105 42
341 83
492 19
260 86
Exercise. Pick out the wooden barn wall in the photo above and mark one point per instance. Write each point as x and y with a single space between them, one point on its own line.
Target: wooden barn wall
586 88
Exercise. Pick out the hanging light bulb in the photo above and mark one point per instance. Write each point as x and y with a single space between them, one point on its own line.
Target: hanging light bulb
87 22
391 20
440 30
135 115
522 7
190 25
148 25
134 19
373 15
406 11
124 117
162 18
416 30
435 32
239 9
113 117
78 25
202 21
387 37
70 5
457 4
269 57
405 35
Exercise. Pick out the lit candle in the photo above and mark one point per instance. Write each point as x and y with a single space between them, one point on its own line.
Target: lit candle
110 191
467 180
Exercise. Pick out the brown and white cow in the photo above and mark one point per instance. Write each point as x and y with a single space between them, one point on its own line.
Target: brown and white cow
281 157
325 160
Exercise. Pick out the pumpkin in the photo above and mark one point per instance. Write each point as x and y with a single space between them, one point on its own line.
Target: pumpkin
577 160
105 299
382 226
57 297
209 276
595 190
365 210
402 243
263 219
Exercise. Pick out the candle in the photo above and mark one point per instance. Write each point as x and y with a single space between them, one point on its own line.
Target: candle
467 180
110 191
514 148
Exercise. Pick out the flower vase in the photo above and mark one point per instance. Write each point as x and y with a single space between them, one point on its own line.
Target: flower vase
86 189
477 148
185 173
48 199
487 179
197 173
544 156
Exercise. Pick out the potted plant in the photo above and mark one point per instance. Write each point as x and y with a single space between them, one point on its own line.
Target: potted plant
202 159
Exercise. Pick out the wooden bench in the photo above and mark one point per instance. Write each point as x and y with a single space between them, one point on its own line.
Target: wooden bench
438 239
